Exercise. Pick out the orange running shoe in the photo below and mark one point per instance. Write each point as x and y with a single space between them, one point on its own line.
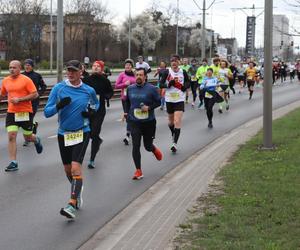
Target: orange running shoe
138 175
157 153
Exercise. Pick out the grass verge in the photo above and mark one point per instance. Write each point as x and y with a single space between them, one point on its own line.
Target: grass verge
254 202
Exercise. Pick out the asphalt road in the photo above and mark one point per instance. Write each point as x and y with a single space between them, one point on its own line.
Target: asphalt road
31 198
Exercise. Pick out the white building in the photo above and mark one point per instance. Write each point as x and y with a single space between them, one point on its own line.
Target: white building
281 39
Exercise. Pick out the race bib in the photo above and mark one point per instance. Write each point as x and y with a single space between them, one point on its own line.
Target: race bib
174 96
73 138
22 117
250 78
141 115
194 78
208 95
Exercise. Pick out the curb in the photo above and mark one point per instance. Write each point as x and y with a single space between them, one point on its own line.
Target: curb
150 221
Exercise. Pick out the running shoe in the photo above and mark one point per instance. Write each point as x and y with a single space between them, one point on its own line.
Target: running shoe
227 107
12 167
193 105
157 153
68 211
91 165
38 145
200 104
126 140
210 125
26 143
220 111
174 147
79 200
138 175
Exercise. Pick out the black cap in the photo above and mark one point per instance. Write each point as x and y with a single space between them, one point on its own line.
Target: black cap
74 64
29 61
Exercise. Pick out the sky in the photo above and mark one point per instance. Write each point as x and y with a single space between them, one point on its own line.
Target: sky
221 18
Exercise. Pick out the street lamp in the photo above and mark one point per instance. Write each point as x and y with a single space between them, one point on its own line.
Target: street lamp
60 40
268 44
129 31
177 29
51 38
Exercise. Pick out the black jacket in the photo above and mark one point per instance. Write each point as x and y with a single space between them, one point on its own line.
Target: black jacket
102 86
37 80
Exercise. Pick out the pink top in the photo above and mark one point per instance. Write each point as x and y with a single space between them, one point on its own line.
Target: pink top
121 83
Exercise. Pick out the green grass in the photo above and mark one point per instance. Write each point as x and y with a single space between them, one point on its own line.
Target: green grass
260 204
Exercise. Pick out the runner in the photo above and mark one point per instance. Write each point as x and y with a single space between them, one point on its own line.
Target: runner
125 79
142 99
234 71
142 64
215 67
201 72
185 66
194 83
250 76
225 75
20 90
162 73
104 91
176 83
75 102
41 88
209 86
241 77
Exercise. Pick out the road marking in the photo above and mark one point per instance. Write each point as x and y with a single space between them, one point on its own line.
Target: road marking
53 136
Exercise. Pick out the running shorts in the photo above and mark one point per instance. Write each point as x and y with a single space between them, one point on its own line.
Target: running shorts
174 106
13 126
73 153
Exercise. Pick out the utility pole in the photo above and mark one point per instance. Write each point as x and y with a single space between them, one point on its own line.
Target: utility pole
60 40
268 45
177 29
203 30
129 31
51 38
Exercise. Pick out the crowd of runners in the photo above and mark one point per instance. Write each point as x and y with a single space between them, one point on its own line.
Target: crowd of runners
81 99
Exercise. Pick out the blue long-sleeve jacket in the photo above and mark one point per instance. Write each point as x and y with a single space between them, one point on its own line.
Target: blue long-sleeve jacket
70 117
209 83
136 95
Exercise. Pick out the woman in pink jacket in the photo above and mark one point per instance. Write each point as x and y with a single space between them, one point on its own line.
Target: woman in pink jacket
125 79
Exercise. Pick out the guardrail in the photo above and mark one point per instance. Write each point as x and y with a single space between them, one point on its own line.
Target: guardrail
44 98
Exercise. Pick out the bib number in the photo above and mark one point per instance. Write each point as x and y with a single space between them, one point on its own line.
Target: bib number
174 96
141 115
22 117
208 95
73 138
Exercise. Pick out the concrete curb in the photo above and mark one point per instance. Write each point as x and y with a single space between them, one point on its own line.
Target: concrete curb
150 221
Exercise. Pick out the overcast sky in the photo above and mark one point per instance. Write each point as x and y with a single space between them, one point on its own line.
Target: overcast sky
223 17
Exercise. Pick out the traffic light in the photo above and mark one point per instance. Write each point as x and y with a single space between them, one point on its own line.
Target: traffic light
281 43
292 43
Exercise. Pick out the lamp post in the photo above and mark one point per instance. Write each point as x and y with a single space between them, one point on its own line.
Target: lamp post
177 28
129 31
268 44
60 39
51 38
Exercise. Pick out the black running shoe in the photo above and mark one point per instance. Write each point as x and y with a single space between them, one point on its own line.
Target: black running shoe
12 167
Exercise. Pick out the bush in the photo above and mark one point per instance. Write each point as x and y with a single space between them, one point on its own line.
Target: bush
4 65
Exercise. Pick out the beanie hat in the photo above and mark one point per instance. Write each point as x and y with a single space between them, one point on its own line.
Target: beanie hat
30 62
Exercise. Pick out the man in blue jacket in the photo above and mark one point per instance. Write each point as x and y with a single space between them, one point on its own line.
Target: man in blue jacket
75 102
142 99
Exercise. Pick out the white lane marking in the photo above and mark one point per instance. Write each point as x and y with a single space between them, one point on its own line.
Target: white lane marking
52 136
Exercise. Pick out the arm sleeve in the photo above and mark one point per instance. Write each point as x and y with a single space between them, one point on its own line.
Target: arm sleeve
156 99
95 100
162 82
148 68
109 92
30 87
42 85
127 103
50 108
187 83
119 84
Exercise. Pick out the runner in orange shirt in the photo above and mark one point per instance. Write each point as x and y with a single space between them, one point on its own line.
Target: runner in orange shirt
20 90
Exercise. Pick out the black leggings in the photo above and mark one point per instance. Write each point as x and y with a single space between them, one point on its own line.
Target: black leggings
96 125
231 85
194 86
139 130
201 95
209 104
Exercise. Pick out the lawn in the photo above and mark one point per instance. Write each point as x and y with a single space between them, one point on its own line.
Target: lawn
254 202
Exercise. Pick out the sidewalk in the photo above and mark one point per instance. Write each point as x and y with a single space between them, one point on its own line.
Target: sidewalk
150 221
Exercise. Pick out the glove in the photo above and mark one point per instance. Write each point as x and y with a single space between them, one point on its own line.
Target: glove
63 102
89 113
171 83
183 88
